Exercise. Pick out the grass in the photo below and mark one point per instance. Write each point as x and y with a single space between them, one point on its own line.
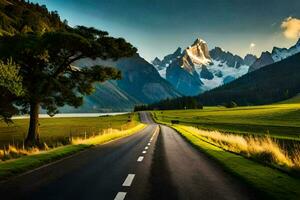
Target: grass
37 158
53 130
263 149
110 134
271 182
23 164
279 120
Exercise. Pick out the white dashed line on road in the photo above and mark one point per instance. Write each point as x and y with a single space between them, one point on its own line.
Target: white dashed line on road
144 152
149 144
120 196
140 159
128 180
146 148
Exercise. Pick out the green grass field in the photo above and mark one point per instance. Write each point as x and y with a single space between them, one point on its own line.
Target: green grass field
57 129
16 166
280 120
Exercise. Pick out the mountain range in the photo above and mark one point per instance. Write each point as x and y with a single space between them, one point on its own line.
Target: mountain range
270 84
197 69
276 55
187 72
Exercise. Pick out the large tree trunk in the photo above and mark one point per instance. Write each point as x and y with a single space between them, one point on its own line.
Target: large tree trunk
33 138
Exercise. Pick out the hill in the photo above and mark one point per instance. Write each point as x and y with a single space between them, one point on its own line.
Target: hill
293 100
19 16
273 83
140 84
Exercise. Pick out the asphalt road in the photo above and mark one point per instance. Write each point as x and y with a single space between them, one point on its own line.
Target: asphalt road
150 165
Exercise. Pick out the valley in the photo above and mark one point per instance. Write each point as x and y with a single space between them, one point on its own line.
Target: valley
149 100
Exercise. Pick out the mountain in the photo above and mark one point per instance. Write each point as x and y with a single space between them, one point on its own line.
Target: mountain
264 60
198 69
140 84
226 57
276 55
266 85
273 83
249 59
161 65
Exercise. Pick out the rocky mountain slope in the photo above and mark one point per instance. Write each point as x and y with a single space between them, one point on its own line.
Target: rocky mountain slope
140 84
197 69
276 55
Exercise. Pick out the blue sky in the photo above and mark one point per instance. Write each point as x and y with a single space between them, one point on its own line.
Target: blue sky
158 27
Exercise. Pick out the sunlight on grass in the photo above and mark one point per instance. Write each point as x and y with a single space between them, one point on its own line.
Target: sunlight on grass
272 183
262 148
108 135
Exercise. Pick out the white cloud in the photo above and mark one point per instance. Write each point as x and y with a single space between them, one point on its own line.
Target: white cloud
291 28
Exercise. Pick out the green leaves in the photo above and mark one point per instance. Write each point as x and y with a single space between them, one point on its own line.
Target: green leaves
10 88
10 78
46 60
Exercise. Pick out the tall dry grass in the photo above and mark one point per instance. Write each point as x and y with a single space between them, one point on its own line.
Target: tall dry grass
107 135
15 152
263 148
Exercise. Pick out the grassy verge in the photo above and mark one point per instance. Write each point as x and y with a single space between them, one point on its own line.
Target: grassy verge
16 166
271 182
13 167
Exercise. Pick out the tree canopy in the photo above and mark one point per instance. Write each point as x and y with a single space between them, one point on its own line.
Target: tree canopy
49 78
10 88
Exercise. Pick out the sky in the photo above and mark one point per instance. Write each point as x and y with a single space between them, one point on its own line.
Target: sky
158 27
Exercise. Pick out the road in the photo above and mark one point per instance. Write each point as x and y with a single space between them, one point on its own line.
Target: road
156 163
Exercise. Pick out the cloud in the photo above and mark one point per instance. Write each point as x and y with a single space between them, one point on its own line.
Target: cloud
291 28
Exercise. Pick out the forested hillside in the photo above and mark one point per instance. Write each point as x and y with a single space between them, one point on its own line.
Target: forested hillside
273 83
19 16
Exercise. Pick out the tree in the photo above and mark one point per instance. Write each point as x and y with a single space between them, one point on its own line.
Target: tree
10 88
50 79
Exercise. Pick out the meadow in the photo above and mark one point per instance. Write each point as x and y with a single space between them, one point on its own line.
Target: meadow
54 131
14 160
280 120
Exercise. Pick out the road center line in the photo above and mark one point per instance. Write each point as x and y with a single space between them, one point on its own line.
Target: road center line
149 144
128 180
120 196
144 152
146 148
140 159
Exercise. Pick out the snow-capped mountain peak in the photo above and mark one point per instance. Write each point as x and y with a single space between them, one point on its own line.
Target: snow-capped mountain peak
198 53
197 69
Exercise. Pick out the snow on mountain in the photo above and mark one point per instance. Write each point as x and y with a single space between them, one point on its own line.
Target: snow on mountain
161 65
197 69
222 74
277 55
